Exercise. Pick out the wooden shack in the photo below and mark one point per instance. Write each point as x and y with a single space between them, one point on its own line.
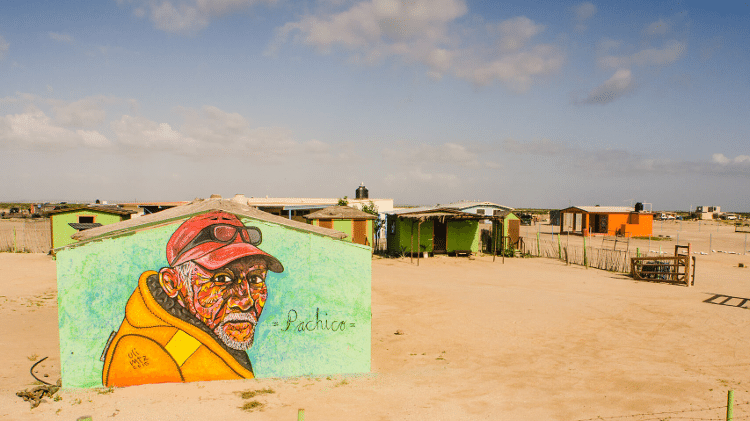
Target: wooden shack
359 226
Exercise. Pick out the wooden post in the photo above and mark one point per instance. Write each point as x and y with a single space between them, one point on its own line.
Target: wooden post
419 244
730 405
538 250
411 243
687 266
494 239
585 261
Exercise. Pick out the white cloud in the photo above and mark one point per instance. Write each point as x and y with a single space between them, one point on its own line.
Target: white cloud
62 37
86 112
583 12
446 153
516 70
384 26
3 47
517 32
143 134
430 33
671 52
660 27
189 16
543 147
615 87
34 128
723 160
607 44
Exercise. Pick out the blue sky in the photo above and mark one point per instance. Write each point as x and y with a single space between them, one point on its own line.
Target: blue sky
527 104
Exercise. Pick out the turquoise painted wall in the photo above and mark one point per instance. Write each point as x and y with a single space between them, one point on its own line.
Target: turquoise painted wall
321 275
61 231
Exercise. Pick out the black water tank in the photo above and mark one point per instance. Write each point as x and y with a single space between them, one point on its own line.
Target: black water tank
638 206
361 192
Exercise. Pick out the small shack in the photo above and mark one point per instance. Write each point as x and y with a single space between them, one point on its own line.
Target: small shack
606 220
356 224
211 290
434 230
68 221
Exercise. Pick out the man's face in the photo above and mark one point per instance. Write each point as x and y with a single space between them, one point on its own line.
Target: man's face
228 300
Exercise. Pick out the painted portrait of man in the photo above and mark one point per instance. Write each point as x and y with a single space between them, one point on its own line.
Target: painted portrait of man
194 319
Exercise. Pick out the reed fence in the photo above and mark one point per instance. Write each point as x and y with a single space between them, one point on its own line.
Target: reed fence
25 236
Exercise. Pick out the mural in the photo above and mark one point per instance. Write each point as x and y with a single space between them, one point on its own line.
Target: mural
213 305
192 320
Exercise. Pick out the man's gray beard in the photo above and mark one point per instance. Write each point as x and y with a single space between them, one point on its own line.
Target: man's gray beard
228 341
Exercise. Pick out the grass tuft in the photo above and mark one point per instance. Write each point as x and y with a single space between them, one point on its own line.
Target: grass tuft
253 393
251 406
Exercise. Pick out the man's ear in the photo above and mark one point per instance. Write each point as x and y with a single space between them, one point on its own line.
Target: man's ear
170 281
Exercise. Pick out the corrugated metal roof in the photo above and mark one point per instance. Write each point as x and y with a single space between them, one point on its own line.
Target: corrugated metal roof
84 225
340 212
295 201
193 208
410 210
604 209
471 204
436 211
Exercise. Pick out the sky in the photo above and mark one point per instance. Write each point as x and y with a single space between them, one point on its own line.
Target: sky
544 104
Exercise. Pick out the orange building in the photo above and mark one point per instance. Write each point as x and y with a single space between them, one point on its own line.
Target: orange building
606 220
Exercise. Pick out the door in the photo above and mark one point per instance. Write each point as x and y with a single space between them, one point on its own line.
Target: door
439 236
359 232
514 231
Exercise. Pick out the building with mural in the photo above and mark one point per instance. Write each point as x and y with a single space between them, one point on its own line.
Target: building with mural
212 290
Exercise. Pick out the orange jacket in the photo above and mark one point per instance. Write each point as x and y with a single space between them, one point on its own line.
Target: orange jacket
153 346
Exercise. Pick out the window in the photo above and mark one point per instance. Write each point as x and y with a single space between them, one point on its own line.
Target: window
480 211
85 219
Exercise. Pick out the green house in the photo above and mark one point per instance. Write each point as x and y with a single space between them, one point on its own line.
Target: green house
66 222
356 224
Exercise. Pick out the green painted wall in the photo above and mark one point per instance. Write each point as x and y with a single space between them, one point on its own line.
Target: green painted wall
332 277
61 231
345 226
403 236
463 235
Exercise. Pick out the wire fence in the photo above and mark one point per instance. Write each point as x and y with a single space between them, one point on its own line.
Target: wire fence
732 411
613 259
25 236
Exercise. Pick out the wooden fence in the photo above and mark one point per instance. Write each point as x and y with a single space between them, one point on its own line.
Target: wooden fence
679 268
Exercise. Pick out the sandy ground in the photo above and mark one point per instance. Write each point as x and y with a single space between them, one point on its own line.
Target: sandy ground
531 339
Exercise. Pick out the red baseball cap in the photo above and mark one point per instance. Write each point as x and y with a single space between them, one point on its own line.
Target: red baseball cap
215 239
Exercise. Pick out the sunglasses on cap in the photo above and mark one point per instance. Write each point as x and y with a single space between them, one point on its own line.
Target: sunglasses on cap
223 233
